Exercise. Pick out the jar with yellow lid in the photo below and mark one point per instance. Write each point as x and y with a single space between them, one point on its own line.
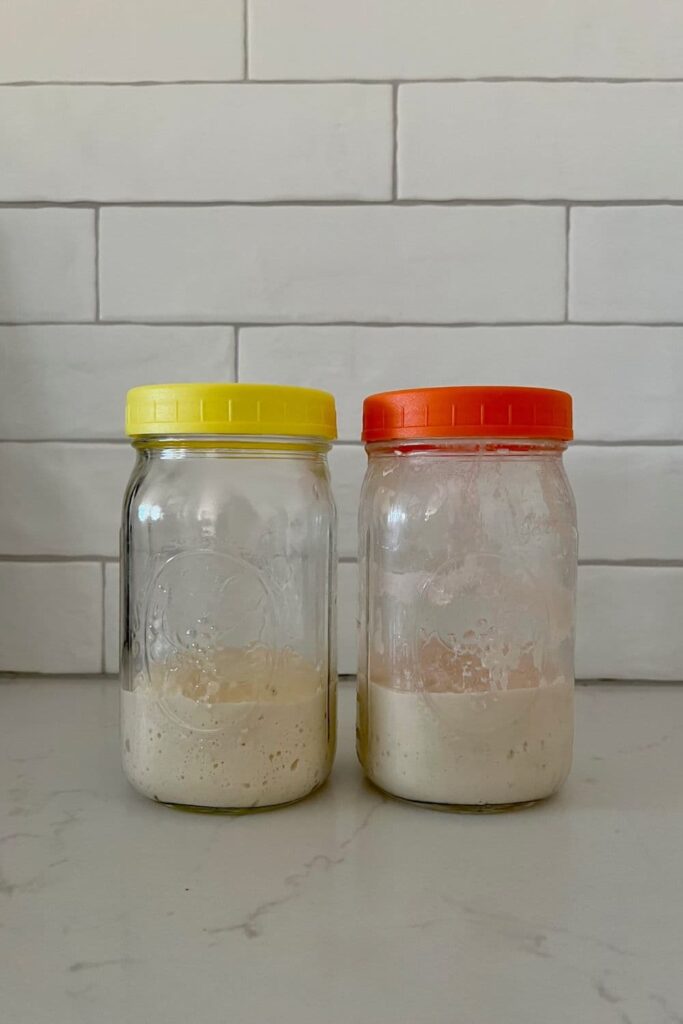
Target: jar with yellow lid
228 595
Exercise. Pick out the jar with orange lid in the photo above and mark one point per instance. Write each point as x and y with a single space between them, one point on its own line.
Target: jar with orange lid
228 595
468 553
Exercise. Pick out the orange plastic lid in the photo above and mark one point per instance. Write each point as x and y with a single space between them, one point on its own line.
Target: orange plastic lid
468 412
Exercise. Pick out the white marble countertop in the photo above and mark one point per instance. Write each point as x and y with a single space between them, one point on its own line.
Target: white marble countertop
347 908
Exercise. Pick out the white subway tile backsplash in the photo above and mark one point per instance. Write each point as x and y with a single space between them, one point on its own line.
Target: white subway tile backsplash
196 142
542 140
47 264
626 264
62 499
307 180
333 263
629 623
627 382
126 41
629 500
71 382
111 617
50 617
461 39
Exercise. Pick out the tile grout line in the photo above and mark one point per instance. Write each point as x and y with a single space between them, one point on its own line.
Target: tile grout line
419 80
7 675
632 563
566 258
236 367
61 559
633 443
97 264
117 442
245 37
394 121
103 658
484 202
266 325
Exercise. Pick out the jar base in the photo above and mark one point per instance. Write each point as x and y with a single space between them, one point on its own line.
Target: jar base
520 805
235 812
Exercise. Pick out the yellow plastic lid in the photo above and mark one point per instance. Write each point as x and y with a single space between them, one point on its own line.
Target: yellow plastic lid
239 409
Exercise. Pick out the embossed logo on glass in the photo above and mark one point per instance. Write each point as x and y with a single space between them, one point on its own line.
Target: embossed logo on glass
210 630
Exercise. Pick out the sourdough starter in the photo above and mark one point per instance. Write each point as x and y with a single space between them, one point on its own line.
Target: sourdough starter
493 747
241 729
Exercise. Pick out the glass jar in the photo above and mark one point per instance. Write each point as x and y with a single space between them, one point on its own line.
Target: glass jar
228 595
468 551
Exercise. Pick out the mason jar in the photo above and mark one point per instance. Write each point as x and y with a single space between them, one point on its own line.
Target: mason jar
468 553
228 595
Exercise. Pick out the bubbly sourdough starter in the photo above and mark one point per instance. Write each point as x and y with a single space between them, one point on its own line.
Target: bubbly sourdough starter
501 747
249 731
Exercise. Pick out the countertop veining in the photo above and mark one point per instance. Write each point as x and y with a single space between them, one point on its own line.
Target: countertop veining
348 908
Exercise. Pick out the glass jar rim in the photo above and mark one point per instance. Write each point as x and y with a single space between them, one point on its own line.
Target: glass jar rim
242 442
467 445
